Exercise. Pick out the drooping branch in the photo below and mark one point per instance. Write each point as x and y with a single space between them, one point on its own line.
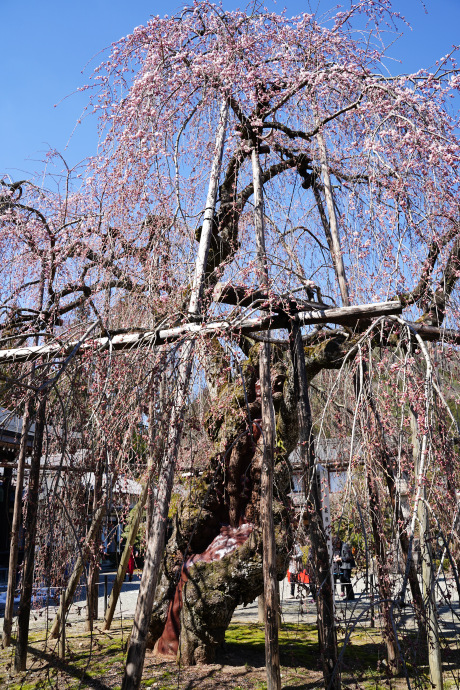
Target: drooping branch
80 564
421 290
437 309
307 136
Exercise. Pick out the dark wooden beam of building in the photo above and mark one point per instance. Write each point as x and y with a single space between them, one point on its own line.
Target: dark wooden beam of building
13 465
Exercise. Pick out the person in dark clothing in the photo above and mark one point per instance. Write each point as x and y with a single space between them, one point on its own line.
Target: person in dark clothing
346 565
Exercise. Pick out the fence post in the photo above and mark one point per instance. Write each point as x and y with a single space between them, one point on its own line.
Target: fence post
372 624
62 626
261 609
105 594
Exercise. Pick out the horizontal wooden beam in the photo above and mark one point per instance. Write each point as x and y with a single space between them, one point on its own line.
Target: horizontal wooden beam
433 333
349 315
128 341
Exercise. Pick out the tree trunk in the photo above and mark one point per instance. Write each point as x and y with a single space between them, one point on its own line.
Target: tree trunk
30 529
327 633
17 512
79 565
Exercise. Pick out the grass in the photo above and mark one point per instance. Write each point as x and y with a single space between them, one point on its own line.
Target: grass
97 662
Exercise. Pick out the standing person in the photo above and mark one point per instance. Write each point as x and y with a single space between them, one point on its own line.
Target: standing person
131 566
347 564
311 575
336 559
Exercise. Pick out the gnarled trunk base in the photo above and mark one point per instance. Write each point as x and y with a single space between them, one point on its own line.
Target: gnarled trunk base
190 618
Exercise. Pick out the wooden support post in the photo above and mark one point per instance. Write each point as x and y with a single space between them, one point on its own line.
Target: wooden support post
280 620
105 593
30 530
327 633
89 613
383 580
123 564
157 532
272 661
17 512
92 589
372 623
261 609
428 591
134 524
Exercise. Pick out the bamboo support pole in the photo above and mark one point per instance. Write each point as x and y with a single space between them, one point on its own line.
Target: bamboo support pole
157 528
62 615
334 237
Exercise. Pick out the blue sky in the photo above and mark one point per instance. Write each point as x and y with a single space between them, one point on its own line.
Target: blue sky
45 45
